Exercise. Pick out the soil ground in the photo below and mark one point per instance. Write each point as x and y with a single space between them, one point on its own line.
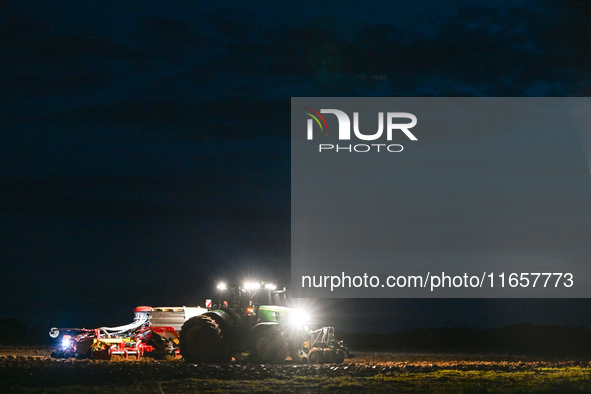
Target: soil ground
31 370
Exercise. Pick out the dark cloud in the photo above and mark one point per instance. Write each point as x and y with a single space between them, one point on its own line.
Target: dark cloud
71 83
478 50
226 120
172 41
228 193
64 48
170 32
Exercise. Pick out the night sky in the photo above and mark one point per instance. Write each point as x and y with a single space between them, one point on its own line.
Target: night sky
145 150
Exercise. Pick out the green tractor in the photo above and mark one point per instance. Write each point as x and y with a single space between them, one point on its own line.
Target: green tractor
252 322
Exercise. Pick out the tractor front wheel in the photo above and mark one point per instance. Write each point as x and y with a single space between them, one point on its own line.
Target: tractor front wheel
201 341
270 347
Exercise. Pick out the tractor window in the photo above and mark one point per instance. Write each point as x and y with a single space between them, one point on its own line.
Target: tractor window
277 299
244 299
261 297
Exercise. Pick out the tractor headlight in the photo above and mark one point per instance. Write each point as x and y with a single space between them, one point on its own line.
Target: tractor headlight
299 318
222 286
66 341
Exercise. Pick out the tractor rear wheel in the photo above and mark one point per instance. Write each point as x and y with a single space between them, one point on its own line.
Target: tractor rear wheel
201 341
270 347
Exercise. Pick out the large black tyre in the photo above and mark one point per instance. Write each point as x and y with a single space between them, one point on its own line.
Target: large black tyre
270 347
299 357
339 357
201 341
296 353
316 356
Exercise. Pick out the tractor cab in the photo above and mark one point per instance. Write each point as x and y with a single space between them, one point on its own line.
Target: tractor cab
264 294
247 298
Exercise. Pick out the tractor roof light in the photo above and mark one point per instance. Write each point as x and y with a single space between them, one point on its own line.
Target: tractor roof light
270 286
222 286
251 285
